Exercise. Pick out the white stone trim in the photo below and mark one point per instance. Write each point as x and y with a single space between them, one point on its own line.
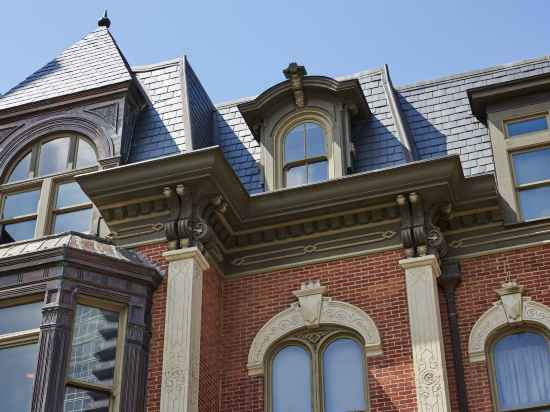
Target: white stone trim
332 313
428 349
182 331
496 318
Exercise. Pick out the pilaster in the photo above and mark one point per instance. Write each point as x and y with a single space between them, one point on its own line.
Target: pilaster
54 345
181 355
432 390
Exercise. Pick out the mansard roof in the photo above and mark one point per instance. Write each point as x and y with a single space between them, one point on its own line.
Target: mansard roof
91 63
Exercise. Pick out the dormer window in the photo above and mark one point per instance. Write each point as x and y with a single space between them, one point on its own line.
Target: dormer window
303 125
305 155
40 196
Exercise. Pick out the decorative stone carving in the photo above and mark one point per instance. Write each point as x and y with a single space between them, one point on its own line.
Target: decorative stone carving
332 312
180 371
191 214
309 298
432 390
510 309
295 74
108 113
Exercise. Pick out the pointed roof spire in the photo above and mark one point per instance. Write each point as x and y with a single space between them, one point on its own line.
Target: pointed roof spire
104 21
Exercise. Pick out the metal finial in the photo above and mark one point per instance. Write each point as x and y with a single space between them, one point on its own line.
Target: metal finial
104 21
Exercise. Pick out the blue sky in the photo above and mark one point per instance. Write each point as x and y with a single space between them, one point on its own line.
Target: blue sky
238 48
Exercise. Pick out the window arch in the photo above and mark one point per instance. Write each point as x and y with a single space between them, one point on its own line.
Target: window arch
318 370
305 154
520 370
39 195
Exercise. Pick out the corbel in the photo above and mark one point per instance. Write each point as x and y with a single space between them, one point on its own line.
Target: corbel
406 225
295 74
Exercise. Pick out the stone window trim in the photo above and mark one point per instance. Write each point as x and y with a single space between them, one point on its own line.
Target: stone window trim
310 312
63 276
315 342
291 121
511 311
504 146
47 184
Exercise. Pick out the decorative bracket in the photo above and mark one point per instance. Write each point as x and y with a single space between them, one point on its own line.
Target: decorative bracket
191 217
295 74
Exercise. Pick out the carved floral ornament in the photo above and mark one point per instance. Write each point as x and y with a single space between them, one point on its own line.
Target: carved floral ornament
511 309
311 311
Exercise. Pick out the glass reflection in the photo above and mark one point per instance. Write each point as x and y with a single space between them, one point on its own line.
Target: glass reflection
527 126
21 171
318 172
86 154
85 400
20 317
93 350
532 166
20 204
15 232
296 176
78 221
315 140
69 194
291 380
343 377
295 144
535 203
18 369
54 156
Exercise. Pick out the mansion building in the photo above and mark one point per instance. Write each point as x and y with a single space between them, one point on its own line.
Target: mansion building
330 245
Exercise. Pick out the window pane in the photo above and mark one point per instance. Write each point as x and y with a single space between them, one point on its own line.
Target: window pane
69 194
93 351
527 126
54 156
85 400
317 172
291 373
20 317
86 154
18 368
535 203
522 368
15 232
315 140
296 176
343 377
21 171
532 166
295 144
22 203
78 221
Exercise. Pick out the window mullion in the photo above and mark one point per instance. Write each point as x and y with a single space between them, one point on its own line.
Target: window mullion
43 213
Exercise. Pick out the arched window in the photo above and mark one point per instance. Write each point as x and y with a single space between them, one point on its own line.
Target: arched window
318 370
305 155
521 371
39 195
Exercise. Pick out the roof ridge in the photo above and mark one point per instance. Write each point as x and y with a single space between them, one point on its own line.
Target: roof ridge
472 73
156 66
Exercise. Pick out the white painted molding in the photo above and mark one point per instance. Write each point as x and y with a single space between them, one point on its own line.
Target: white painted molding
432 389
496 317
332 312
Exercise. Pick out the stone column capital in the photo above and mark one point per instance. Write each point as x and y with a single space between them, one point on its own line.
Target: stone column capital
187 253
430 261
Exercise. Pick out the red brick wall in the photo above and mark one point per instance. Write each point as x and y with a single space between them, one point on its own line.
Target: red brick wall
481 277
154 374
211 343
210 374
375 283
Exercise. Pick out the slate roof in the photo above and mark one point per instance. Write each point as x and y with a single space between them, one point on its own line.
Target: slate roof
92 62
